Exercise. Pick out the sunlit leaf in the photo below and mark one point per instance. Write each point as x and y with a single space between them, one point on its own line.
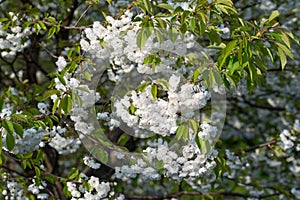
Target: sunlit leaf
182 131
274 14
165 6
154 91
18 129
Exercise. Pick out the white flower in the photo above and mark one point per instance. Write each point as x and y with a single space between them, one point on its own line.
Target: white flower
91 162
43 196
296 126
61 63
84 45
43 107
102 189
174 81
94 182
285 138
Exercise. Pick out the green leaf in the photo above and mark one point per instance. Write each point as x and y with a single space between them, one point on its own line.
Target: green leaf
208 77
164 83
66 191
193 124
37 172
159 164
285 39
149 59
37 28
286 50
51 32
42 25
27 24
48 94
67 104
2 103
226 52
52 20
282 58
154 91
142 37
132 109
8 125
20 117
165 6
10 141
19 129
123 140
173 34
196 74
3 19
50 178
41 124
274 14
143 86
192 24
88 76
148 6
83 88
100 154
159 35
62 80
217 77
56 102
73 174
1 148
202 144
182 131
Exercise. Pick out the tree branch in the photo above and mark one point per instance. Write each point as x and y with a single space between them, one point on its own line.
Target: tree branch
191 193
266 144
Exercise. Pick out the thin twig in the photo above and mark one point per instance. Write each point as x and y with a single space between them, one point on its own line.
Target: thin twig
49 52
261 145
84 12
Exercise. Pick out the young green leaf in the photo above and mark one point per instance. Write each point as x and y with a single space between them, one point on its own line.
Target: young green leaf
142 37
18 129
226 52
55 105
51 32
2 103
100 154
42 25
143 86
154 91
73 174
182 131
193 124
165 6
10 141
8 125
48 94
192 24
3 19
282 58
148 6
274 14
67 104
202 144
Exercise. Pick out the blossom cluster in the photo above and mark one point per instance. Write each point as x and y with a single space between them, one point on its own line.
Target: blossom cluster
15 39
157 108
161 115
29 142
93 189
